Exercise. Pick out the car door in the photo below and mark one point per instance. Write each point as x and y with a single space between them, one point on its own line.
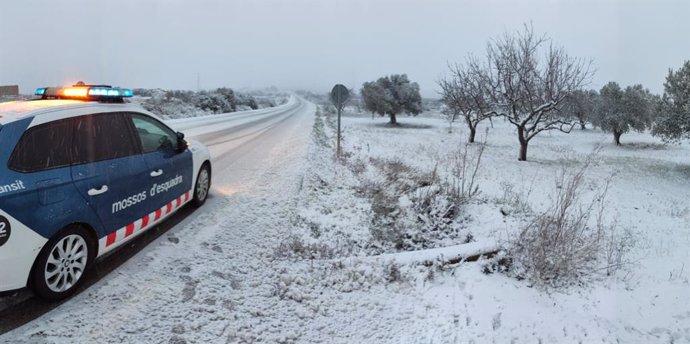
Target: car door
41 194
108 169
170 169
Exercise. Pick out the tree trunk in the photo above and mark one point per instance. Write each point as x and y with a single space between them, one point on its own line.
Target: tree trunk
581 118
393 121
523 152
472 126
473 132
523 144
617 137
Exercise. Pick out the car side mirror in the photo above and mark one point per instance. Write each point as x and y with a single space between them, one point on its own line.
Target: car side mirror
181 142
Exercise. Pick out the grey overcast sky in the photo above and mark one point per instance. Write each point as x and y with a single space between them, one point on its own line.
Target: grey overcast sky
310 44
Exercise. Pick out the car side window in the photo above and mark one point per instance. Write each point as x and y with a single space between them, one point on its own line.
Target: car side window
102 137
43 147
153 135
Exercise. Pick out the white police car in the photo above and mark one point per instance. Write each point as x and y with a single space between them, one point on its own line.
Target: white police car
81 173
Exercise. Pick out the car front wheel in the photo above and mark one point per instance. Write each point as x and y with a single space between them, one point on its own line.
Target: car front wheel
202 186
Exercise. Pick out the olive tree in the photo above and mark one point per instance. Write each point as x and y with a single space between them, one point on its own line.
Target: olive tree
581 105
674 123
392 95
621 110
529 79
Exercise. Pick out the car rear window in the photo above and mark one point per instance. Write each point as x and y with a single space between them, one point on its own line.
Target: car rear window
43 147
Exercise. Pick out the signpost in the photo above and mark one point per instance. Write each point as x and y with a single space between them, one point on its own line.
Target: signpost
339 96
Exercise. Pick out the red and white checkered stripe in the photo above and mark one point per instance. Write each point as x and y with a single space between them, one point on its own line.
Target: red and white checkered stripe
116 238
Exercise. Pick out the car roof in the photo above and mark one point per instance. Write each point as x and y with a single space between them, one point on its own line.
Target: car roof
17 110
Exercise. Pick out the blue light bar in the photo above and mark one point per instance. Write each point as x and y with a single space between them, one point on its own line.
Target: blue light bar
108 92
40 91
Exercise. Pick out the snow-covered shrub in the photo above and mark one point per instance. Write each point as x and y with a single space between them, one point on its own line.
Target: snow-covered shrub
181 103
413 209
318 130
297 247
249 101
213 103
392 272
167 105
568 242
439 204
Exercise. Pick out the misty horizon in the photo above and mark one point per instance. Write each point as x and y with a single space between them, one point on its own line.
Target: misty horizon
312 45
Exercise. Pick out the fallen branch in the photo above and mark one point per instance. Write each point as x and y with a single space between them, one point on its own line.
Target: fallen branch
470 252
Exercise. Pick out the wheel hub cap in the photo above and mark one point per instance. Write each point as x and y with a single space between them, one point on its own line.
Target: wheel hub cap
66 263
202 185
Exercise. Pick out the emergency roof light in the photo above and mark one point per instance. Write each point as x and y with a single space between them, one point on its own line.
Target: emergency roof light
82 91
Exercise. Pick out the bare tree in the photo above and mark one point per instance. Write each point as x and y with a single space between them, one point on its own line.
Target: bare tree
529 80
464 95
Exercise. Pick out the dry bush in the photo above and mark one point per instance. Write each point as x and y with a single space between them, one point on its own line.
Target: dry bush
441 203
514 202
616 248
414 209
357 166
465 170
565 244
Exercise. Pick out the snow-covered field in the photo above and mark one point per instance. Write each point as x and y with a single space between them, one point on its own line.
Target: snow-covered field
391 299
285 252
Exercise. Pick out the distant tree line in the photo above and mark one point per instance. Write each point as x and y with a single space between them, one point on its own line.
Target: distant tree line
179 103
537 87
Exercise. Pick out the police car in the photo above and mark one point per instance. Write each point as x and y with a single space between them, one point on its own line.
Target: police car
81 173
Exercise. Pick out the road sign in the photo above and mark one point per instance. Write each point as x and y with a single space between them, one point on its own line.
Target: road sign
339 96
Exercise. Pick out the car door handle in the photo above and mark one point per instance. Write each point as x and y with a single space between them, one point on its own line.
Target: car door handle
96 192
156 173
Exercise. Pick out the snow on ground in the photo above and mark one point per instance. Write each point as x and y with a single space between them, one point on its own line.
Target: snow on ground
646 301
284 254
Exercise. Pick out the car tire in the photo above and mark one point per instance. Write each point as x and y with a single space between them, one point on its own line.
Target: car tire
62 264
202 186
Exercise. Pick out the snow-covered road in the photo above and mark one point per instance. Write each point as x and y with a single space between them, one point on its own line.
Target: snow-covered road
191 281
